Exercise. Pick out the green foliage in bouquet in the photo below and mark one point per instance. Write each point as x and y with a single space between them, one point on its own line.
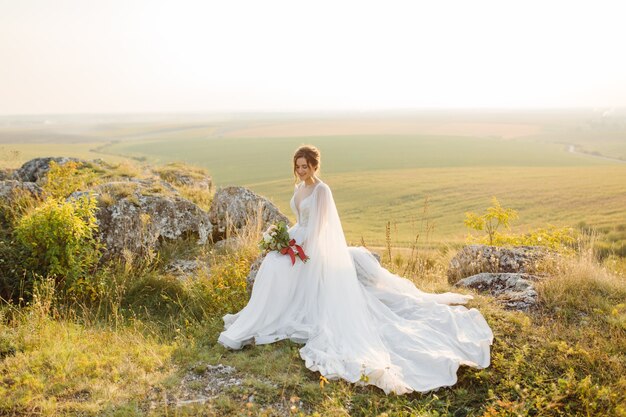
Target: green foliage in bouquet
276 237
60 238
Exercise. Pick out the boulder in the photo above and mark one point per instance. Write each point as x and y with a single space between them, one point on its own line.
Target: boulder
10 189
474 259
6 174
514 290
36 169
234 207
130 217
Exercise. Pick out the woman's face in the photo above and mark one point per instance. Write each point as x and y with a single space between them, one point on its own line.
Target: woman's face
303 170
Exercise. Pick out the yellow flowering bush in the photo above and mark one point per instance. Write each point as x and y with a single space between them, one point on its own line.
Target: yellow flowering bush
60 238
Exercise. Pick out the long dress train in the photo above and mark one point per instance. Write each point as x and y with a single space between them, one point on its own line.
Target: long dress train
357 320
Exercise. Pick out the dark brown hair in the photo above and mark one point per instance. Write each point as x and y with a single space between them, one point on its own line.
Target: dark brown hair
312 156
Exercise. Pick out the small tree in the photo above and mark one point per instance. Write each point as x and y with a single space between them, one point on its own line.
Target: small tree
494 217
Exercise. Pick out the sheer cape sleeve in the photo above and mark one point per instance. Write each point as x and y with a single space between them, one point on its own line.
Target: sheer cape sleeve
326 241
360 351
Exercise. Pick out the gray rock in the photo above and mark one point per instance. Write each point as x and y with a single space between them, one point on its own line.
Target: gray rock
184 269
6 174
36 169
10 189
254 269
131 218
514 290
234 207
474 259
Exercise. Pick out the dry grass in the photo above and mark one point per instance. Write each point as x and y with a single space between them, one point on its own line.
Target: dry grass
61 367
201 196
126 169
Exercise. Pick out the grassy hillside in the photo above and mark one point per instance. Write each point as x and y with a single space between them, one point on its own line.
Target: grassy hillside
130 337
144 343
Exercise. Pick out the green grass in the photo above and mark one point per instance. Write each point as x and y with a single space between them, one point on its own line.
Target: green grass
135 340
247 161
378 179
13 155
564 359
560 196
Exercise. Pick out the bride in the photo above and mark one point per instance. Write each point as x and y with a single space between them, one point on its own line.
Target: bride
357 320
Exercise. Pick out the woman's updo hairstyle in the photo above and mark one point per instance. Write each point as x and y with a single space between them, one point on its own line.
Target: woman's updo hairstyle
312 156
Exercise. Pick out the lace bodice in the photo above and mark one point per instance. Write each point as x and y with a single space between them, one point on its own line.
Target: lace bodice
302 209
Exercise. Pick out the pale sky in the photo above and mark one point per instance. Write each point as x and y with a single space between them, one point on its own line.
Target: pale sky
81 56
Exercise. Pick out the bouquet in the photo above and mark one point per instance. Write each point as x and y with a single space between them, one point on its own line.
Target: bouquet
276 237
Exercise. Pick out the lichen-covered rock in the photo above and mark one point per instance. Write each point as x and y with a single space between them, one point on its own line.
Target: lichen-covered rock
131 217
184 175
254 268
234 207
6 174
10 189
185 269
474 259
514 290
36 169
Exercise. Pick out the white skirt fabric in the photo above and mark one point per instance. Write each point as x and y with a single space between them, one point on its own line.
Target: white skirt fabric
376 328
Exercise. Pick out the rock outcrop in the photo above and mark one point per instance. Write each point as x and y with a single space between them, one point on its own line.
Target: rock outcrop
513 290
136 214
10 189
6 174
234 207
36 169
182 175
474 259
132 216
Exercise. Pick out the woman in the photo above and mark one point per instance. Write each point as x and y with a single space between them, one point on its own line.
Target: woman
357 320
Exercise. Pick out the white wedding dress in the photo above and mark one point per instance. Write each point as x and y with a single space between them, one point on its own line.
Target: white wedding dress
357 320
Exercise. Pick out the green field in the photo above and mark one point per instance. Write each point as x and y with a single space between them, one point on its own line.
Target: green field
521 159
381 178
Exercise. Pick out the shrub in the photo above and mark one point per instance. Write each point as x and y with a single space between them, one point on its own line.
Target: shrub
62 180
12 254
60 238
561 239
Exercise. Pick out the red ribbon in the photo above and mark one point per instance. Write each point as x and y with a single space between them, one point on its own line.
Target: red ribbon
292 254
